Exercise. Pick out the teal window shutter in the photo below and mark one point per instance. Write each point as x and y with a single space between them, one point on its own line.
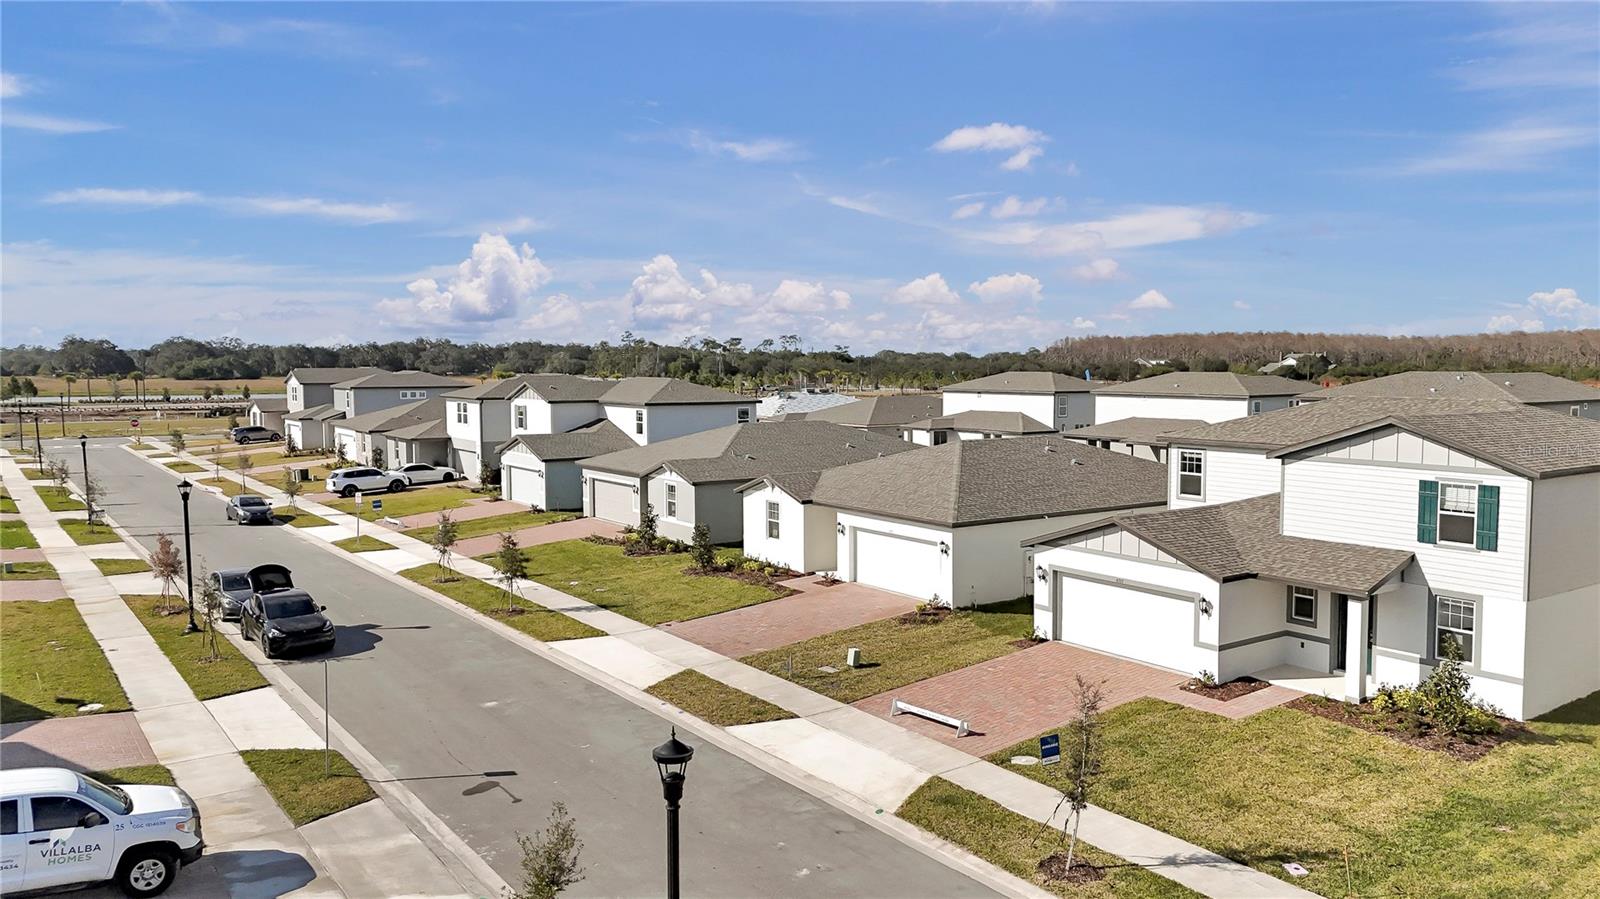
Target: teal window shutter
1427 511
1488 518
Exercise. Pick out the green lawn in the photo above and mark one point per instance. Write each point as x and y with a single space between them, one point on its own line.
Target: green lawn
83 534
51 665
535 621
897 654
1017 844
227 486
108 567
7 504
715 701
36 474
29 571
185 467
365 543
157 775
15 535
263 458
408 502
298 518
1284 786
651 589
296 780
59 499
494 524
230 673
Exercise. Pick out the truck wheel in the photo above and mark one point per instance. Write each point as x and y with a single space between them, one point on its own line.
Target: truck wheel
396 486
146 872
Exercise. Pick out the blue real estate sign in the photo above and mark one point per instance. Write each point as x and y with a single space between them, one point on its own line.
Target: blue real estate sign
377 505
1049 749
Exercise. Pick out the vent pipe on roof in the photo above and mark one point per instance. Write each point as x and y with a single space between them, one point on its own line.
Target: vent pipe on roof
1076 462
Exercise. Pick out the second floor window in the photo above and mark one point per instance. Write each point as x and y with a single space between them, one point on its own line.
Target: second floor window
941 437
1458 513
638 421
744 416
1255 407
521 416
461 413
772 520
294 394
1061 407
1191 473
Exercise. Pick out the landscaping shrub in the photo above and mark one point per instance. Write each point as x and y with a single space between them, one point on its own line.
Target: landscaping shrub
1443 702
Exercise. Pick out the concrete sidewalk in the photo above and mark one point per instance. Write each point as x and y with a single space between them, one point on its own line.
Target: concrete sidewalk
253 848
847 751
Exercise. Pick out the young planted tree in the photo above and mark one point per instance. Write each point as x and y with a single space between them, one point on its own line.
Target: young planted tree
245 462
648 531
92 491
704 552
291 486
1081 759
209 602
59 473
167 565
549 857
176 438
511 567
444 539
377 457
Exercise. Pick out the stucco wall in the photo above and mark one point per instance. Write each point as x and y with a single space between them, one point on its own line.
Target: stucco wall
1115 407
1039 407
805 531
1564 552
716 506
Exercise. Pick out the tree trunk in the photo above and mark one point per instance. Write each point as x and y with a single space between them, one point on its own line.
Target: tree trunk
1072 844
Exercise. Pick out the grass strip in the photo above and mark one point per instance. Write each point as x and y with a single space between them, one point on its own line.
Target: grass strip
85 534
184 466
230 672
228 488
155 775
493 524
59 499
29 571
407 502
296 779
299 518
14 534
716 702
52 664
7 504
36 474
109 567
536 621
365 543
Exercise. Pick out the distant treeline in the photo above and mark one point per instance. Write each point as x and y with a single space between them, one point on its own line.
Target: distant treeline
784 360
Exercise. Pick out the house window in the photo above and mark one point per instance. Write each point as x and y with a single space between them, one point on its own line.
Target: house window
1575 411
521 415
1191 473
1458 513
744 416
1255 407
672 500
1061 407
941 437
1303 606
461 413
772 520
638 421
294 394
1456 622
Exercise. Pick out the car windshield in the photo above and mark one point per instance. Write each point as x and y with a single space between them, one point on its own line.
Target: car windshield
289 607
108 796
235 582
251 501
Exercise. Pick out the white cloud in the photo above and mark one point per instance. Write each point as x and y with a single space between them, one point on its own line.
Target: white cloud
855 205
1544 46
315 207
1079 323
1011 288
661 295
929 290
12 118
1013 207
1151 299
1103 269
1024 143
1501 324
1138 227
558 314
1241 305
967 210
511 227
1519 146
763 149
801 296
1563 302
1563 305
488 285
12 85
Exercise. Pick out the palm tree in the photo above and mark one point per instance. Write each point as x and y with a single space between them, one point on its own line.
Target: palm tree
137 377
69 379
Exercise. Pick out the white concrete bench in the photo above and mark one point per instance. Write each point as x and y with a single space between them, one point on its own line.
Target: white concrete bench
391 521
897 707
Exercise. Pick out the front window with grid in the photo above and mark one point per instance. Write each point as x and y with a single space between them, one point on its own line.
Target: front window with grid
1458 513
521 415
772 520
294 394
638 421
1061 407
672 500
1457 623
461 413
1191 473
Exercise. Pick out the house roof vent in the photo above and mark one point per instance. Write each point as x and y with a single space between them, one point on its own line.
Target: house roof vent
1077 462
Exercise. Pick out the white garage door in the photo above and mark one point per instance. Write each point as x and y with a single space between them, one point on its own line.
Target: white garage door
349 440
898 564
467 462
521 485
613 502
1125 621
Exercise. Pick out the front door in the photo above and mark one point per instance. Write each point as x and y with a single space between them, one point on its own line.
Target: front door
1055 607
1341 621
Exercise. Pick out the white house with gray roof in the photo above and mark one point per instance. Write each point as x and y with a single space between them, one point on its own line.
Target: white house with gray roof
1373 536
973 424
308 402
1060 401
1532 388
1206 395
545 471
885 414
1145 438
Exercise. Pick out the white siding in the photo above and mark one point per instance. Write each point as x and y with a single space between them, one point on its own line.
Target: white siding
669 421
542 417
805 532
1039 407
1229 475
1115 407
933 573
625 512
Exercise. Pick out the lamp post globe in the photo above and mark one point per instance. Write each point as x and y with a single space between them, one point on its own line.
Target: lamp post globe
184 488
672 761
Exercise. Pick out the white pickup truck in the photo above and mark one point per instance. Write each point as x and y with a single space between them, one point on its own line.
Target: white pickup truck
59 828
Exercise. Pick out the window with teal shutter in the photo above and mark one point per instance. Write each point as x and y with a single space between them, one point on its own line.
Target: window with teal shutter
1488 518
1427 511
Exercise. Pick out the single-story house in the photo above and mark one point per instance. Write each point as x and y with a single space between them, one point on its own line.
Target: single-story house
268 411
695 479
1145 438
973 424
883 413
545 471
947 523
1207 395
401 435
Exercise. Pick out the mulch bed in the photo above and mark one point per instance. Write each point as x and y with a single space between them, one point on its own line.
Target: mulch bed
1233 689
1053 869
930 615
758 578
1466 747
1026 642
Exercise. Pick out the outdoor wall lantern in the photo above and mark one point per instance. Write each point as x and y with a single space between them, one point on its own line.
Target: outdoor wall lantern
1205 607
1039 572
944 548
841 530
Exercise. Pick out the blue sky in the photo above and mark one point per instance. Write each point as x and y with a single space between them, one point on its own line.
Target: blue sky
954 176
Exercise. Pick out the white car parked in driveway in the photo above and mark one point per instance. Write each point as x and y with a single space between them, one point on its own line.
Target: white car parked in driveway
61 829
350 481
423 473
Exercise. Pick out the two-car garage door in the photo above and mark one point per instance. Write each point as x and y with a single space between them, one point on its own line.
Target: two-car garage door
898 564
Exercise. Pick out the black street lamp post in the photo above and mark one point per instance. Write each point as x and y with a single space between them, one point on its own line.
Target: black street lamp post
188 556
672 760
88 494
38 444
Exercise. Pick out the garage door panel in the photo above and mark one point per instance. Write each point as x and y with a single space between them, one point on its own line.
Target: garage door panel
897 564
468 463
522 485
1146 627
614 502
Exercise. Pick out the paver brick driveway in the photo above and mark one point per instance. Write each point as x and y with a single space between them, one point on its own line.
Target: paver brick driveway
814 611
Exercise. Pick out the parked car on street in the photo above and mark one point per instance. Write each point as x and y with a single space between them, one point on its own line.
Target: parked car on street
247 508
350 481
66 829
234 585
254 434
423 473
286 621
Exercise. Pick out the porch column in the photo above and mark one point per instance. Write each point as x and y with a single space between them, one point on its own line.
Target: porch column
1357 608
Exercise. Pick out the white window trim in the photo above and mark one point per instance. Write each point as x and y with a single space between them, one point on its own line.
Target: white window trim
1472 538
638 421
1298 592
461 413
670 492
1200 457
774 522
519 417
1468 659
744 416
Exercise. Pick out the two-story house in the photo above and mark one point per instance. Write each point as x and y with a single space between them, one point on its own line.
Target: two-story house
481 418
1367 545
1206 395
1533 388
308 401
973 424
1060 401
345 424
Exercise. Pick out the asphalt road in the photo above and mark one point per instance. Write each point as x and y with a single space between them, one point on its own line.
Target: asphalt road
440 700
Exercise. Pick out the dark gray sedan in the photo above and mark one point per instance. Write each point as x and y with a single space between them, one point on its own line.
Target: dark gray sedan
234 585
247 508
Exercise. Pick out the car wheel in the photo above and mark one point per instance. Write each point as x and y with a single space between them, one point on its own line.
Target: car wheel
146 872
396 486
276 436
448 477
348 491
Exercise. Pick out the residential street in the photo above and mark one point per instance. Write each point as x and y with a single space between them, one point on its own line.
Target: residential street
440 701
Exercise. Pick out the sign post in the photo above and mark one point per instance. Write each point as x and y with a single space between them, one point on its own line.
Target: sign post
1049 749
360 498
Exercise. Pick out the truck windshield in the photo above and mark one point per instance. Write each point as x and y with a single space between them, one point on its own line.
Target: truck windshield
107 796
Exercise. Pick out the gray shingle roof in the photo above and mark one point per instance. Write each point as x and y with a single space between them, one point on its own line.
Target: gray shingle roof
409 415
1310 421
986 421
1041 382
981 481
492 389
562 388
271 403
319 412
798 484
666 391
743 452
593 439
883 411
1149 431
1209 384
1522 386
1238 540
400 379
329 375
